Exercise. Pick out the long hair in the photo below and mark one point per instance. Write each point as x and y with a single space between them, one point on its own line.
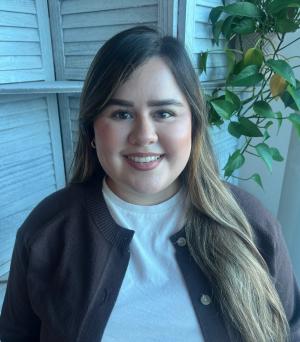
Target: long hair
219 237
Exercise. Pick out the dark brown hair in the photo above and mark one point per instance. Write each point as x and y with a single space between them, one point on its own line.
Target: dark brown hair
219 236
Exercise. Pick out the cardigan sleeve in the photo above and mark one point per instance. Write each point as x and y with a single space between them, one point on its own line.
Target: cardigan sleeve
272 246
18 322
286 285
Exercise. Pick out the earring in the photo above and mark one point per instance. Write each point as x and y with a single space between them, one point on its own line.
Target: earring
93 143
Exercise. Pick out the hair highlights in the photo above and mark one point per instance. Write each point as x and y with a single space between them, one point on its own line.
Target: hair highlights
219 235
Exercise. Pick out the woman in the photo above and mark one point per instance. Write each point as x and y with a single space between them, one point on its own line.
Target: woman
147 243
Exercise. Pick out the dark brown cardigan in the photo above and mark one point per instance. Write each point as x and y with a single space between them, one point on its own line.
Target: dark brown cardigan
70 258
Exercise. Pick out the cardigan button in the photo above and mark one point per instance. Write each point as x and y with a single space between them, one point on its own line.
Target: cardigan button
181 242
205 299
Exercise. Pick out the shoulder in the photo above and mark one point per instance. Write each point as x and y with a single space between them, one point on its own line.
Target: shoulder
266 228
56 208
255 212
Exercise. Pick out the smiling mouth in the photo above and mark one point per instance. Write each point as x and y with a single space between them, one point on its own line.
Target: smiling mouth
147 159
144 159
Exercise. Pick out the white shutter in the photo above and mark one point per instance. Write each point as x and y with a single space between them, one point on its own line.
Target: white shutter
24 41
31 160
195 30
83 27
216 62
74 110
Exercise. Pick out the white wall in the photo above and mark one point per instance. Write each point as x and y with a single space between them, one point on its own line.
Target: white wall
289 206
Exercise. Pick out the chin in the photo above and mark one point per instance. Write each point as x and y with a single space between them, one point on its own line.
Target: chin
145 190
155 189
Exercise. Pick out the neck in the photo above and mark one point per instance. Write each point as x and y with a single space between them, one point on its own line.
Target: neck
144 198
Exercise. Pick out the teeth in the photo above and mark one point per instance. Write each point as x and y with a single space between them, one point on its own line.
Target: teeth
144 159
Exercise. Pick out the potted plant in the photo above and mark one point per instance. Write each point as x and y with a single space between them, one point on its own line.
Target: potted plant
254 33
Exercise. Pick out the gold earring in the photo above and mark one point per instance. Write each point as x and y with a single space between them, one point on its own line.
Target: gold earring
93 143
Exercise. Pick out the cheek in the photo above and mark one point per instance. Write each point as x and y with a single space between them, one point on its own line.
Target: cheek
107 137
178 139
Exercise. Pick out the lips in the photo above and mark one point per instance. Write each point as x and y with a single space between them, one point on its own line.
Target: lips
144 161
144 157
147 159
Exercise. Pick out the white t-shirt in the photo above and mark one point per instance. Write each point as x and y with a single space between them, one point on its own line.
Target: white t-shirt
153 303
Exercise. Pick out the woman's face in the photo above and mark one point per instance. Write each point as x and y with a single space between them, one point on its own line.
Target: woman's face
143 135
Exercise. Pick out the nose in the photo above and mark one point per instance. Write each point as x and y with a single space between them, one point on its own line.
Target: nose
143 132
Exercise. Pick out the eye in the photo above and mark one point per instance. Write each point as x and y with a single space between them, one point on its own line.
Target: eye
163 114
121 115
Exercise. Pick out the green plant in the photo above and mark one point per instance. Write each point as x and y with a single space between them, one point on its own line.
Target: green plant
256 75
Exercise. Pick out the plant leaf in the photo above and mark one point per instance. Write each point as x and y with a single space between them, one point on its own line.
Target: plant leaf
224 108
238 67
288 101
263 109
215 13
230 61
233 98
214 118
226 27
244 26
234 128
295 94
277 85
244 9
284 25
276 154
268 124
244 127
264 152
249 76
202 62
276 6
235 161
249 128
257 179
295 120
253 56
217 29
283 69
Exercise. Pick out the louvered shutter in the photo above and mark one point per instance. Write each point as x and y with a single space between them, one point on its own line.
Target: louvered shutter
24 41
31 160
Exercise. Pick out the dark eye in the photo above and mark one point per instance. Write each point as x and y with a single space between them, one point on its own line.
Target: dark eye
163 114
121 115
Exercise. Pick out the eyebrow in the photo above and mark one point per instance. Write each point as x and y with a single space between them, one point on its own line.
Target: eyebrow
153 103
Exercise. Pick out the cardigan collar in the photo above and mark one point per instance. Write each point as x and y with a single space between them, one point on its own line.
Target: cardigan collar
209 316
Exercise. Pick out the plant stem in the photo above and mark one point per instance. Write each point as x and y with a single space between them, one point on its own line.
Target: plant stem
241 42
292 42
248 141
270 41
289 58
253 154
264 118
